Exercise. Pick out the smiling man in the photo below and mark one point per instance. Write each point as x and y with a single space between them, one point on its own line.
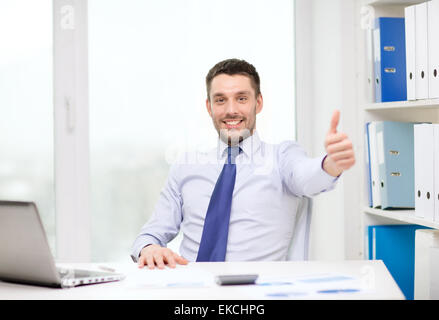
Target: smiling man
233 103
239 203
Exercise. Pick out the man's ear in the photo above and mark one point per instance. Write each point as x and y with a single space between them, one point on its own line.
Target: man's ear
208 107
259 103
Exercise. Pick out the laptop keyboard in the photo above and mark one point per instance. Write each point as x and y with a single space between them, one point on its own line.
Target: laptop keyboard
74 273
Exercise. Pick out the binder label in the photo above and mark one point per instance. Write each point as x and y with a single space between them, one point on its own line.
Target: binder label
389 70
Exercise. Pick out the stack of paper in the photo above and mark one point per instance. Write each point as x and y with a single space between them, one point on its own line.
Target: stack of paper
308 286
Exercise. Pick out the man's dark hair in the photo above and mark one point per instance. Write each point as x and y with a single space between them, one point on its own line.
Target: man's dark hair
232 67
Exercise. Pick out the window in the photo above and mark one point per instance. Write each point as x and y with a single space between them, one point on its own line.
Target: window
147 64
26 107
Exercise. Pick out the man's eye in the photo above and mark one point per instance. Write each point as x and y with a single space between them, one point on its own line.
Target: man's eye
219 100
242 98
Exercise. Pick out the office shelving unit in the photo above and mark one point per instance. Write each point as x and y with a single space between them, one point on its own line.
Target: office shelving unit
416 111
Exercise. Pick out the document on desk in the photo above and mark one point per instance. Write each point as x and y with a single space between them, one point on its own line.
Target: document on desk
313 286
178 277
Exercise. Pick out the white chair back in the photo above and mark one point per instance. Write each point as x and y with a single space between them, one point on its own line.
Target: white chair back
299 245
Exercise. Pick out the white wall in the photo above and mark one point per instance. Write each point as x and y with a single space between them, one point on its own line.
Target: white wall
326 80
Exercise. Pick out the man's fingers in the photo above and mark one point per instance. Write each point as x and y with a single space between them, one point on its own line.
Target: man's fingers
339 146
141 262
334 121
180 259
150 262
345 154
346 163
169 258
335 137
153 256
158 259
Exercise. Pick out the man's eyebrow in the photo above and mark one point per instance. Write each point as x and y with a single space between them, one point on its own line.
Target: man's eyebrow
220 94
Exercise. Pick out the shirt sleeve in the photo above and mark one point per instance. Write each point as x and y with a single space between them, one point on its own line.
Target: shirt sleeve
166 218
302 175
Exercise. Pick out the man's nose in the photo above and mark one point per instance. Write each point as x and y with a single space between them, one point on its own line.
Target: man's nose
231 107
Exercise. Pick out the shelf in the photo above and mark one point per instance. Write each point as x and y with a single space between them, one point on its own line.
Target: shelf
396 2
404 105
405 216
417 111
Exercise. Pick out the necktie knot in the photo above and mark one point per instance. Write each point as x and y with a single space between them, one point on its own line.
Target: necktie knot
232 153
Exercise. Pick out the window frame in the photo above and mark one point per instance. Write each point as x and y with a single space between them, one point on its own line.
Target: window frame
71 132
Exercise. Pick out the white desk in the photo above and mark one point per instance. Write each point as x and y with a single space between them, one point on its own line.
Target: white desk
136 285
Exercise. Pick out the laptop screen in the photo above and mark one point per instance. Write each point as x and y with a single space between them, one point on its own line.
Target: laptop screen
24 251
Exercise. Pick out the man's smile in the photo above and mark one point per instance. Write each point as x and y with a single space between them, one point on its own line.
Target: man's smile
233 124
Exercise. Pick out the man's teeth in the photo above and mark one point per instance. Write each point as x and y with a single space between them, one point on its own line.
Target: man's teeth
232 123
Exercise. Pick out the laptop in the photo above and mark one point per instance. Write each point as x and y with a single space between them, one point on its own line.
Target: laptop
25 256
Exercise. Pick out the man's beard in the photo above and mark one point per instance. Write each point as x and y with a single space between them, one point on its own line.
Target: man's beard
232 137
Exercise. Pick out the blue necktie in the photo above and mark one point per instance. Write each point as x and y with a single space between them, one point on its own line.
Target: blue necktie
213 244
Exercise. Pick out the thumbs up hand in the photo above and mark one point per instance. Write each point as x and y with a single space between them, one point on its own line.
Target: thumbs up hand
340 153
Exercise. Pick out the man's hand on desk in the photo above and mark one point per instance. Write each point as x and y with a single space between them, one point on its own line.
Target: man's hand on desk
155 255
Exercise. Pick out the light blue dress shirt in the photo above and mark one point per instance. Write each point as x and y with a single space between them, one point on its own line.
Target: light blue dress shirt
270 179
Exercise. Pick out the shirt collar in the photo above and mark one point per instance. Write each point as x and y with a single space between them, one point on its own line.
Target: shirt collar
249 146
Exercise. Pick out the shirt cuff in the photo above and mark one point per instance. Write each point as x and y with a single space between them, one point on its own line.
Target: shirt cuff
335 178
325 179
141 242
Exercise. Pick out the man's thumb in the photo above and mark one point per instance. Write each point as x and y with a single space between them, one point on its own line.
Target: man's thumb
334 121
